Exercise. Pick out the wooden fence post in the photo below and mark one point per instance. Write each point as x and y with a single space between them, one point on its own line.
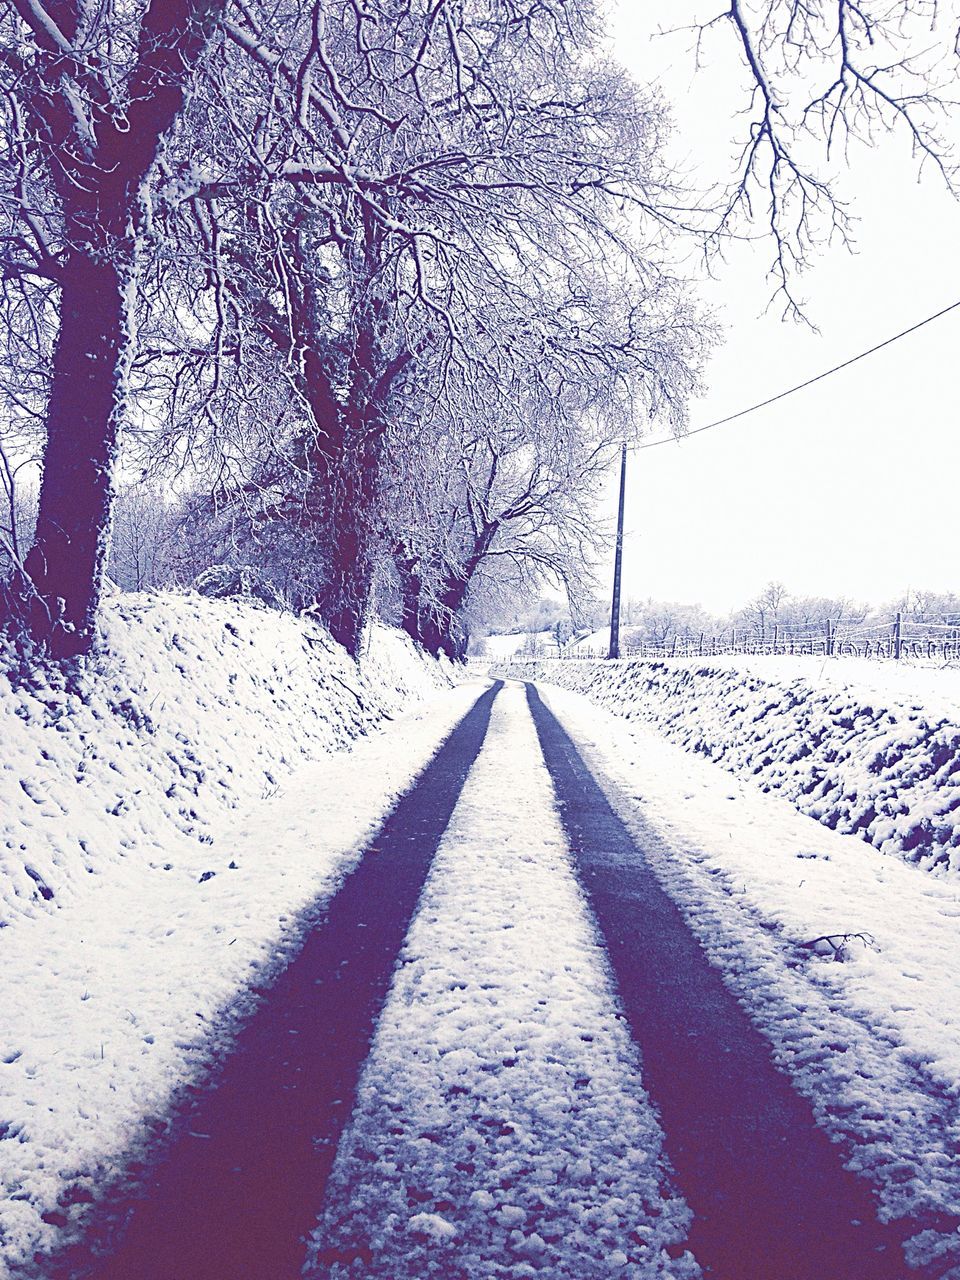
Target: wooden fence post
898 636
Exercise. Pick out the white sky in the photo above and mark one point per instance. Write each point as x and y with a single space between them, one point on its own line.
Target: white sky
848 488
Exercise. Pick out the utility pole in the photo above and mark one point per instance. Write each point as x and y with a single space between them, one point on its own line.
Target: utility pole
618 561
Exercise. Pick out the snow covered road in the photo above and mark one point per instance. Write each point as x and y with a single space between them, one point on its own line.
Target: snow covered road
504 1123
870 1034
121 998
502 1129
236 1189
768 1193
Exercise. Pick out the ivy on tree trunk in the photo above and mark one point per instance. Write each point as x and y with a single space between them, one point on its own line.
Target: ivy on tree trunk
99 143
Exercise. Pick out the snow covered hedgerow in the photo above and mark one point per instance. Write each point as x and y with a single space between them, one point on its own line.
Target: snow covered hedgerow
223 580
865 748
196 707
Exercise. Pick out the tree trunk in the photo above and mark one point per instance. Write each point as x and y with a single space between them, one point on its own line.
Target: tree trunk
66 564
98 173
439 635
438 621
344 467
411 592
422 615
351 536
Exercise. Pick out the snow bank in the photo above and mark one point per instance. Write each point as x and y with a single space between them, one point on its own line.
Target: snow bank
865 748
155 860
198 706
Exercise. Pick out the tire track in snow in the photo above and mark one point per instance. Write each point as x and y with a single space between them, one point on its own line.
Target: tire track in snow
237 1191
769 1195
501 1129
896 1115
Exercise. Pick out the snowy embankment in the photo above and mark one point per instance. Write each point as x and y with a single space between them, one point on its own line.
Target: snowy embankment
864 747
161 829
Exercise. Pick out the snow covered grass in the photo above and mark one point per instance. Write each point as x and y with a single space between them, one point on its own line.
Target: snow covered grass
501 1128
864 747
868 1025
167 835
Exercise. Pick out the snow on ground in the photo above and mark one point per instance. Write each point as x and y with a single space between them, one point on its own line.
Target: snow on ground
597 643
501 1128
864 747
198 706
871 1033
507 646
501 647
178 844
933 687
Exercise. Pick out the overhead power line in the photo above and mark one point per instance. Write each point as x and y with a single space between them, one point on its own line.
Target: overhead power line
742 413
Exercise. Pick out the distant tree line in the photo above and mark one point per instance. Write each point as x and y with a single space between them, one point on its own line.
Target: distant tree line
550 624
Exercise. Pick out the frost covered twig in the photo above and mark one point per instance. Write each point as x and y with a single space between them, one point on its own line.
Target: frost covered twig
834 944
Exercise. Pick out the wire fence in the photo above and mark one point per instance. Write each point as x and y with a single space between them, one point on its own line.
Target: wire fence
902 639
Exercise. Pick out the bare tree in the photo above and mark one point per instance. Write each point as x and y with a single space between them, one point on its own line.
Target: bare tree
17 509
523 515
813 611
764 610
144 529
924 606
500 475
819 80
